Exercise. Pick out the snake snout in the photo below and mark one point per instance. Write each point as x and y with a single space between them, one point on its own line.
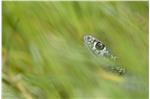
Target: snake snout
87 38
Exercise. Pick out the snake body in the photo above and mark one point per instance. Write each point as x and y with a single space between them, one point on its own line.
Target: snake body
98 48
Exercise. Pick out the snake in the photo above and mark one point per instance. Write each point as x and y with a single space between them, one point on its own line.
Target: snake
98 48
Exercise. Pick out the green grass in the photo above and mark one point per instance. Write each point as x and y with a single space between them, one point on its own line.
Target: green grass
44 56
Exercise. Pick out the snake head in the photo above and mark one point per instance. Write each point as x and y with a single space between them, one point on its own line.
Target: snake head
95 45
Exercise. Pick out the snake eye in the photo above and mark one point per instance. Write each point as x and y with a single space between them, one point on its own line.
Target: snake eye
99 46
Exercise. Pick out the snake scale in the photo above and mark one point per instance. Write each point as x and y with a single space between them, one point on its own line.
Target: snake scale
98 48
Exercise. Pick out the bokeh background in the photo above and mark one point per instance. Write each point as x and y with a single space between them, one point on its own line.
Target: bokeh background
44 56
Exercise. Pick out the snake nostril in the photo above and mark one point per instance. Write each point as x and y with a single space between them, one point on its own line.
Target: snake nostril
88 38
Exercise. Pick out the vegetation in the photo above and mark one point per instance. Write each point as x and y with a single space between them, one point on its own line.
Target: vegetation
44 56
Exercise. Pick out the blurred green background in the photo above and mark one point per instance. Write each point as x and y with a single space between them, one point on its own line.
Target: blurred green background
44 56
